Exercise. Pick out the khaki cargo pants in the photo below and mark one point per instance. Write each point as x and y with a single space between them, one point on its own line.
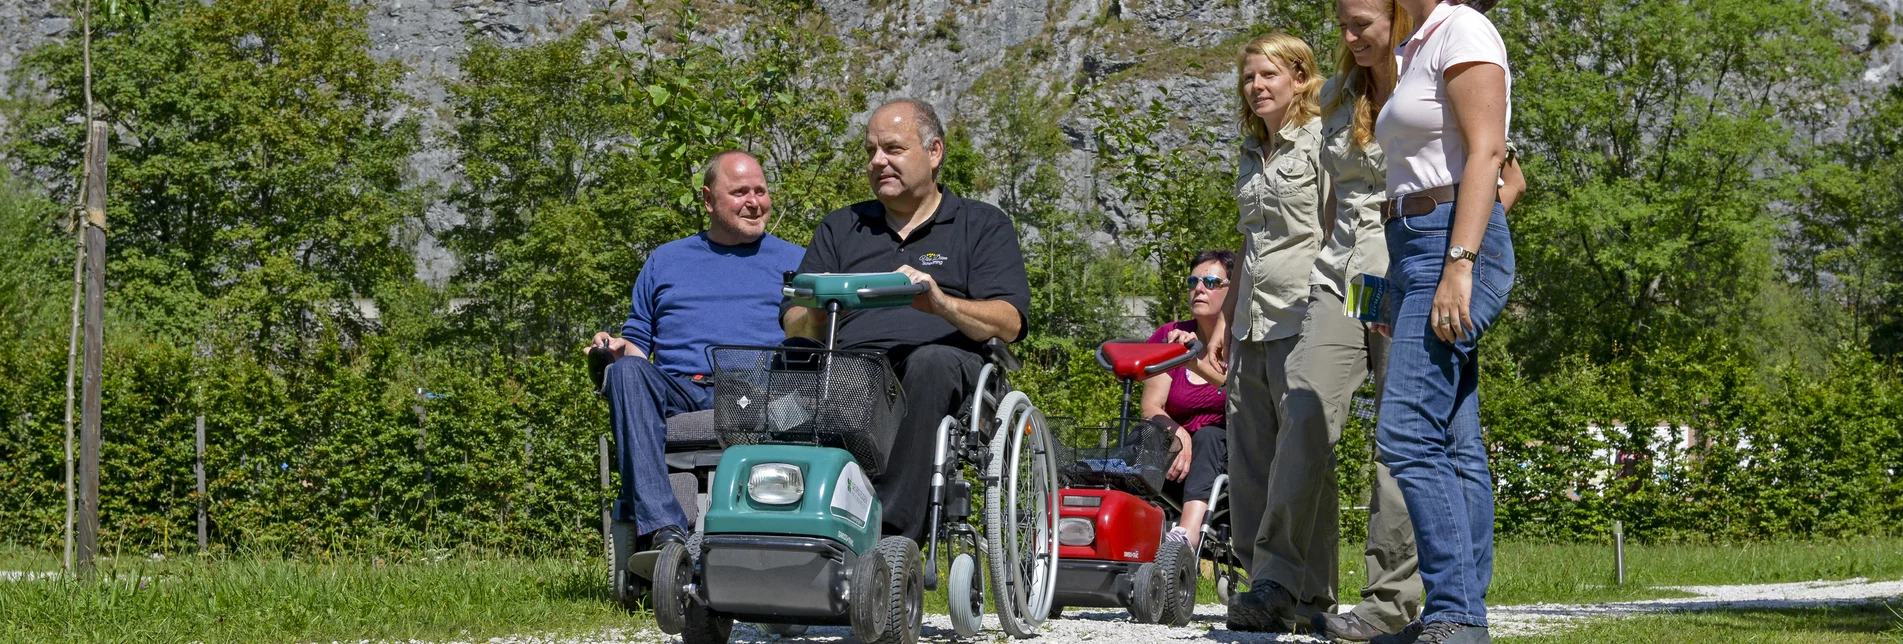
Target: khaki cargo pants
1288 401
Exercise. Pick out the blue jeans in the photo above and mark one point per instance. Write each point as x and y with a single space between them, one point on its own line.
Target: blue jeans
1429 428
640 399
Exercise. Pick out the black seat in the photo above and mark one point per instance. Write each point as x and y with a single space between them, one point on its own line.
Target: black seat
691 443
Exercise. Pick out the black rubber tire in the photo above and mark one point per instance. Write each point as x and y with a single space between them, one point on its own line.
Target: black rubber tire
706 627
631 591
671 573
905 591
1057 611
870 591
1179 567
1147 594
783 630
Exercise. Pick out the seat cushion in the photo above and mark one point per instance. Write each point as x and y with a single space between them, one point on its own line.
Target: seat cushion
693 430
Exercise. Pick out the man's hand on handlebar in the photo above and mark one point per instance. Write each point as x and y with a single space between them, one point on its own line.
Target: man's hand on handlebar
933 299
620 347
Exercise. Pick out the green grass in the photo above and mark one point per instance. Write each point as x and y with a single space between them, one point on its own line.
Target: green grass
277 600
1871 623
273 599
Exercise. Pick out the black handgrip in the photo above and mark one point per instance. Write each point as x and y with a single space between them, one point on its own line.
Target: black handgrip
598 360
914 288
1001 355
1195 351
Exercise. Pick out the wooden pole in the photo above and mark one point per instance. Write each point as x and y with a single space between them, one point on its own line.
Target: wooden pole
72 367
95 224
1618 549
198 469
607 507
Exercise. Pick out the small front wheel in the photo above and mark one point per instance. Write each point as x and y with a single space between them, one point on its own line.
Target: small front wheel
965 594
783 630
673 571
1148 594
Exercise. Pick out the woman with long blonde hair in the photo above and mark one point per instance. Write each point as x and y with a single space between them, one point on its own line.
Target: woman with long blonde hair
1339 349
1280 191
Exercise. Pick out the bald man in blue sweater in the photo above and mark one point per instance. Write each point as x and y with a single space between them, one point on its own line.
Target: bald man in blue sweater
720 286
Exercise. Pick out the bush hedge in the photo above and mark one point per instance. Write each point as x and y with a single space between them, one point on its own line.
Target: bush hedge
330 455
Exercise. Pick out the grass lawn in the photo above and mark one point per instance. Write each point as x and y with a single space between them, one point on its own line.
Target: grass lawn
276 600
1874 624
259 599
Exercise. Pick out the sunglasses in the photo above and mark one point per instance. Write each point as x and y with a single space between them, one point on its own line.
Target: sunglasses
1210 282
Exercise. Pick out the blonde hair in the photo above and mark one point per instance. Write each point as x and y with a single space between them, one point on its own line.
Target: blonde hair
1352 81
1294 57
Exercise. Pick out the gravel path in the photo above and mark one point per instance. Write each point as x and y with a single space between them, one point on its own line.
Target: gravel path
1113 626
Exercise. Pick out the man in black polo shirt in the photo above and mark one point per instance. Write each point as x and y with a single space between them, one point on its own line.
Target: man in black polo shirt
966 250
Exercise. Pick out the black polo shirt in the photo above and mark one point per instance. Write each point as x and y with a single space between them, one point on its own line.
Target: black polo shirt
969 247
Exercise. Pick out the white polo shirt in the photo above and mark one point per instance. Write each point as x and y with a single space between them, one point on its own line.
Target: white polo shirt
1416 128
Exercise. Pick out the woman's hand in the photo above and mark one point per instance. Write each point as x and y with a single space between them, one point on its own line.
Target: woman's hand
1179 468
1451 321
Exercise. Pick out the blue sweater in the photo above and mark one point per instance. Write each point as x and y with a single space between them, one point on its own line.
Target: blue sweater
693 293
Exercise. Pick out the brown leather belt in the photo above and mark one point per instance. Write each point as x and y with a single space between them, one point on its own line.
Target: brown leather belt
1418 203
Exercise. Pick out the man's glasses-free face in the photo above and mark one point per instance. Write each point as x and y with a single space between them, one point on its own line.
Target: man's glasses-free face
1210 282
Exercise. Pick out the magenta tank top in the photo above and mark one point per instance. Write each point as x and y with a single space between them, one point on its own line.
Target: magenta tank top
1190 405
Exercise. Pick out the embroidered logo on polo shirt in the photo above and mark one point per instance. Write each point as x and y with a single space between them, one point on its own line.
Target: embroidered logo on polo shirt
931 259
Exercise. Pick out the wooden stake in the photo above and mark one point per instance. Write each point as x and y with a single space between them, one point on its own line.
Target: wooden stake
198 469
95 233
607 507
72 367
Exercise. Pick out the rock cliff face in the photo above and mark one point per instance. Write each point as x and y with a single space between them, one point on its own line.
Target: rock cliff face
1134 49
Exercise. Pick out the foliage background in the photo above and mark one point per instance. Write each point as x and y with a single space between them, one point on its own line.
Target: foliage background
1713 241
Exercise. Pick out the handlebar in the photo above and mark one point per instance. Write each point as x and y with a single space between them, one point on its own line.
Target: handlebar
1195 351
915 288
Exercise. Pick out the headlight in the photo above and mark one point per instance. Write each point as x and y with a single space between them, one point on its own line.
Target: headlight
776 484
1075 531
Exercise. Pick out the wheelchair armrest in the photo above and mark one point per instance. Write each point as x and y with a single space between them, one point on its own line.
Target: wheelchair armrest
1000 354
598 360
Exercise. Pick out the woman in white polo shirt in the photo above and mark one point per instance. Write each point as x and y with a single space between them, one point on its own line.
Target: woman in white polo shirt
1451 266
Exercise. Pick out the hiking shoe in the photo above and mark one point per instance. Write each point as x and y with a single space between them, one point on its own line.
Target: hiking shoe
654 540
1407 635
1267 609
1437 633
1177 534
1346 628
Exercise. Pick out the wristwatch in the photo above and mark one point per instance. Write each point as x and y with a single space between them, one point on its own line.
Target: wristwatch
1459 252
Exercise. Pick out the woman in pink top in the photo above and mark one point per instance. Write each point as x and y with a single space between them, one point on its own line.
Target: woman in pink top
1188 401
1451 268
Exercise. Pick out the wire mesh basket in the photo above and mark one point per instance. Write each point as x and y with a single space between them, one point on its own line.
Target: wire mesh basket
789 395
1091 456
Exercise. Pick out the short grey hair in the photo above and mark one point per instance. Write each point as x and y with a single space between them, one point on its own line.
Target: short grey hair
924 117
713 164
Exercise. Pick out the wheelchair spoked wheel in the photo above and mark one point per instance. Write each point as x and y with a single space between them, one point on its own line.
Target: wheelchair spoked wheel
1021 516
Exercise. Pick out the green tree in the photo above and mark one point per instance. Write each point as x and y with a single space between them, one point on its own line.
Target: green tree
1172 195
35 263
1659 133
1847 247
556 210
258 165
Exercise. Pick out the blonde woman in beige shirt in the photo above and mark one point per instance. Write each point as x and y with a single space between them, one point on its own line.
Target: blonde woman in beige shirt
1280 191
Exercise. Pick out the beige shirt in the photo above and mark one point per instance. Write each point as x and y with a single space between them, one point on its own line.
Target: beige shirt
1279 197
1357 245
